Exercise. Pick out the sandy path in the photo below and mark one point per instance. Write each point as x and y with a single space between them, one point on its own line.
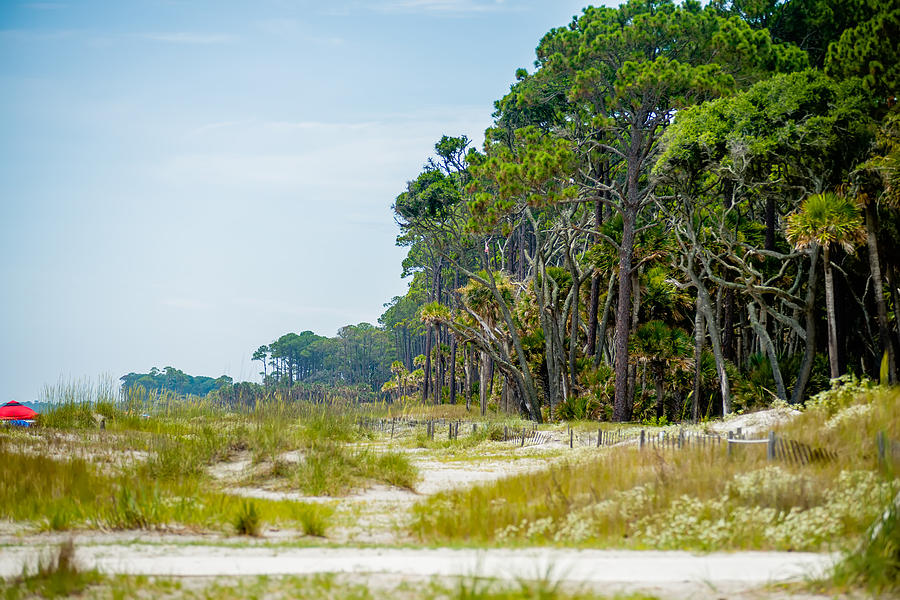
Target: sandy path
674 574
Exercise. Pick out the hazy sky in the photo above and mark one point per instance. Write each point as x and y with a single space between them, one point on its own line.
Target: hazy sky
183 181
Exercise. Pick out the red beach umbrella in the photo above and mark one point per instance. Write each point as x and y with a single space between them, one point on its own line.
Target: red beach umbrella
13 411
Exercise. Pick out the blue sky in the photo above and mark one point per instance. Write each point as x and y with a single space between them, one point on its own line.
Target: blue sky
181 182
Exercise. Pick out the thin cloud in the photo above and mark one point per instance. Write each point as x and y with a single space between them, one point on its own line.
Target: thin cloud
36 35
444 6
294 29
188 37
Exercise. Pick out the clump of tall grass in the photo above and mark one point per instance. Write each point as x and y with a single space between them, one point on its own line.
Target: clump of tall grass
57 576
314 517
329 425
247 521
74 403
332 469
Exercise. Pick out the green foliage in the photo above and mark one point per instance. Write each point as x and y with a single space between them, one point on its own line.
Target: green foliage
870 51
247 521
826 219
580 408
845 391
174 380
314 517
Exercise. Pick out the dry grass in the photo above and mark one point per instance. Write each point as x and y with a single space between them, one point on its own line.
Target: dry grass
699 498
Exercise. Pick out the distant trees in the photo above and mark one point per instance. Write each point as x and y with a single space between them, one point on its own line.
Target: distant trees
174 380
360 354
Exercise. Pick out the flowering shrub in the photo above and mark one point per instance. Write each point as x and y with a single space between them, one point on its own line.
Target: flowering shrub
845 391
690 523
767 508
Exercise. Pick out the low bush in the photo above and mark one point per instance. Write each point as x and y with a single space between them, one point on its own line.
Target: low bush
247 521
57 576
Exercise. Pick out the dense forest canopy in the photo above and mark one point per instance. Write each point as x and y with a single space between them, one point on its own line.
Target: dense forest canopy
680 210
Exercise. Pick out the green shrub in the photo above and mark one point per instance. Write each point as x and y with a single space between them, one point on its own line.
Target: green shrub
247 521
314 517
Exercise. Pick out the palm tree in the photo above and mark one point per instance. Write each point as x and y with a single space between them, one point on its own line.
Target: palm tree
824 220
661 347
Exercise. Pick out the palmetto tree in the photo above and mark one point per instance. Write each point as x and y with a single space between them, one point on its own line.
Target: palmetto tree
661 347
826 219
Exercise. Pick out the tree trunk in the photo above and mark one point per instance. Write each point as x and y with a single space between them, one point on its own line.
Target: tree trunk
714 336
809 350
623 318
770 223
728 325
766 342
441 371
453 370
595 288
467 359
593 314
830 313
426 386
699 338
604 321
875 268
483 383
574 328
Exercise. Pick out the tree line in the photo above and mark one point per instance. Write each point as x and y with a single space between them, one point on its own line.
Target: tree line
681 210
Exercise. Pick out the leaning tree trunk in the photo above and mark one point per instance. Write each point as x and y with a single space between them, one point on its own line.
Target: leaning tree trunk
766 341
715 340
832 322
875 268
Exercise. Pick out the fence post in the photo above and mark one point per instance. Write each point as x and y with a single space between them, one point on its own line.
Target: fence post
642 439
523 437
770 447
728 444
881 442
599 435
571 438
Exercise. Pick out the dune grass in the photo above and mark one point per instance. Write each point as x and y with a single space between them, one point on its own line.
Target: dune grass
345 587
699 498
70 493
150 467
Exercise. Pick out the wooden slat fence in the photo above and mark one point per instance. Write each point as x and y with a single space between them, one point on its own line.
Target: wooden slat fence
777 447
